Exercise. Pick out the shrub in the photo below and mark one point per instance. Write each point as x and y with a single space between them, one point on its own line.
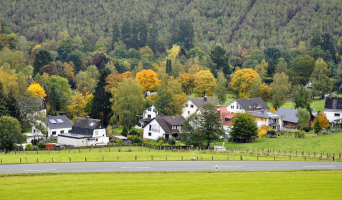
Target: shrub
161 142
35 148
317 126
171 141
34 142
296 133
160 138
20 147
124 132
262 133
301 134
133 132
145 141
119 141
307 129
28 147
130 137
136 139
41 145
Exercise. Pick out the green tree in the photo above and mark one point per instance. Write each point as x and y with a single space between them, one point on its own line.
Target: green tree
152 36
3 106
280 88
168 66
317 126
115 34
315 41
328 45
321 83
253 59
303 118
10 133
64 91
301 96
244 127
42 58
101 108
220 91
191 132
301 69
219 57
126 31
128 102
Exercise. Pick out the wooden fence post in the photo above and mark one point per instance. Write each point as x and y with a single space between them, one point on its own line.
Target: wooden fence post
182 157
85 158
151 157
135 158
166 157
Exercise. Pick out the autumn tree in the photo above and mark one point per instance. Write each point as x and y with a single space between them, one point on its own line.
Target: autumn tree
262 69
170 99
323 120
128 101
37 90
188 82
242 81
42 58
265 92
321 82
148 80
205 82
113 80
280 88
50 69
77 105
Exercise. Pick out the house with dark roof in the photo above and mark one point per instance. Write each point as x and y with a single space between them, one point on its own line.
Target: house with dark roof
333 109
165 126
271 120
195 104
85 132
147 115
55 125
289 117
247 104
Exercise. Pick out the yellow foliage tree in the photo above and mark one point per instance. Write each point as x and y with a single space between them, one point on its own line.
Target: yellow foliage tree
262 131
188 82
146 51
261 69
113 80
37 90
205 82
242 80
77 105
8 78
69 69
323 120
265 92
173 52
272 110
152 97
148 80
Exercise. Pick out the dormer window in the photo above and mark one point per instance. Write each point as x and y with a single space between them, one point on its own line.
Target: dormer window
149 109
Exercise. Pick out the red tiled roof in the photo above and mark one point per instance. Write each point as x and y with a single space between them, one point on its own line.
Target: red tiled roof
224 113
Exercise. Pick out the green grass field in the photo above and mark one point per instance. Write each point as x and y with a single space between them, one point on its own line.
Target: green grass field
117 131
175 185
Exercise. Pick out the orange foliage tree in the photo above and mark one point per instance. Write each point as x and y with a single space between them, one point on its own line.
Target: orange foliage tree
242 80
205 81
188 82
323 120
113 80
37 90
148 80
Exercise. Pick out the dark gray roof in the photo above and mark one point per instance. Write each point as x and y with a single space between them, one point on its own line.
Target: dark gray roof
166 122
199 101
333 103
59 124
86 126
289 115
252 104
265 114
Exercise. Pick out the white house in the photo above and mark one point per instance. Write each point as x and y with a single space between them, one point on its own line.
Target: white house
271 120
195 104
333 109
166 127
246 104
85 132
55 125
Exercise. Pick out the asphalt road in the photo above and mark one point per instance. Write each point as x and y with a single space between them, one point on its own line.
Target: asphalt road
166 166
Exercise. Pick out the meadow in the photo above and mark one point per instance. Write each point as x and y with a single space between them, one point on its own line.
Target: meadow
175 185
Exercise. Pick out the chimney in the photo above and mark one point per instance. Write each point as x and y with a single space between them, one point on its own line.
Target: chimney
87 117
205 98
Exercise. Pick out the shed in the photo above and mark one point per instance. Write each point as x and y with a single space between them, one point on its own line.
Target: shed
50 146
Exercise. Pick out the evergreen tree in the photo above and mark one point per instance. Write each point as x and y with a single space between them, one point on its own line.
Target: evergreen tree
126 31
54 99
142 33
3 105
87 46
101 107
317 126
115 34
168 67
186 34
152 36
134 35
315 41
327 45
272 53
64 48
42 58
219 57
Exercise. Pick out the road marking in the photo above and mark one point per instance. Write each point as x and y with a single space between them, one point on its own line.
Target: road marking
126 167
228 166
143 167
321 166
39 170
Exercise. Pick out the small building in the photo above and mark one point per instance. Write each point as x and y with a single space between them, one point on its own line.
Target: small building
289 117
247 105
85 132
195 104
50 146
166 127
55 125
147 115
333 109
271 120
121 137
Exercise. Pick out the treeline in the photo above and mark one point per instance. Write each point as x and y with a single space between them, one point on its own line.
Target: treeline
249 23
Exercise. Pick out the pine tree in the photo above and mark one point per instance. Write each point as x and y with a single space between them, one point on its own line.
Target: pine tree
3 105
152 36
115 35
126 31
142 33
101 107
42 58
219 57
168 67
316 40
327 45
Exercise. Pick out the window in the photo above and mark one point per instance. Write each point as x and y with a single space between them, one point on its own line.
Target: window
149 116
337 114
191 106
149 109
34 130
261 119
62 132
227 119
96 132
149 134
154 110
53 132
178 127
155 128
232 107
150 128
188 112
173 127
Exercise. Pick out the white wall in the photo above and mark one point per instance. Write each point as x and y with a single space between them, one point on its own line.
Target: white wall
154 134
72 141
58 131
152 113
234 107
189 109
331 116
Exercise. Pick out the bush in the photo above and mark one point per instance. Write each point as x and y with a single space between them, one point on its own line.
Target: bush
301 134
145 141
130 137
34 142
160 138
119 141
262 133
124 132
296 133
20 147
136 139
35 148
307 129
133 132
171 141
28 147
161 142
41 145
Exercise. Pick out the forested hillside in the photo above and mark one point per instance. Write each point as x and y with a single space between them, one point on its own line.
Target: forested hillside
249 23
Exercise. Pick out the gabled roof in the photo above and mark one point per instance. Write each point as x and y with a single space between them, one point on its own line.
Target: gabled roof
199 101
58 122
265 114
333 103
252 104
289 115
86 126
166 122
224 113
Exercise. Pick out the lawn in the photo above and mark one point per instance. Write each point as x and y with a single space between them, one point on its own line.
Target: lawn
175 185
321 143
117 131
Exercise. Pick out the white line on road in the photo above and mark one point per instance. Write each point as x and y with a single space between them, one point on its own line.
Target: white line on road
228 166
143 167
321 166
39 170
126 167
